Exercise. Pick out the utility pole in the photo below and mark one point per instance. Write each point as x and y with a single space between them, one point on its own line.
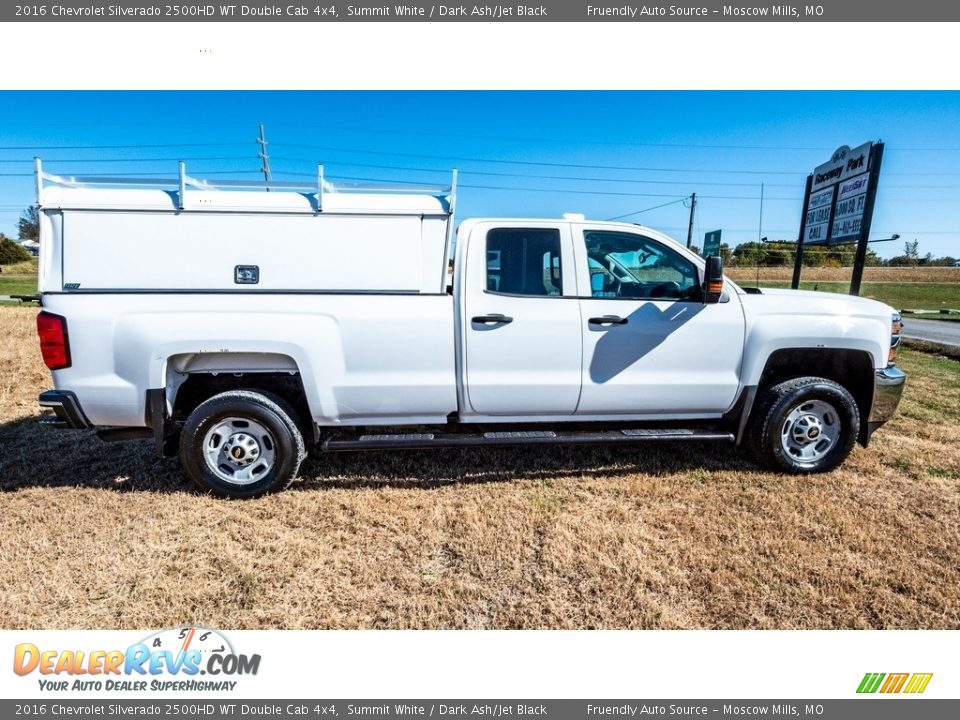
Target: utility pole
760 228
264 157
693 207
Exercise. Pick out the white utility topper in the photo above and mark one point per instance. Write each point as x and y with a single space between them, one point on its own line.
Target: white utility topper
241 324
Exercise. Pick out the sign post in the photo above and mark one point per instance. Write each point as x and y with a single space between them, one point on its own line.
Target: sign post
711 243
798 261
838 205
871 197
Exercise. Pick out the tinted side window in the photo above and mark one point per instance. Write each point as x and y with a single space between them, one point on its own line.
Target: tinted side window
524 261
623 265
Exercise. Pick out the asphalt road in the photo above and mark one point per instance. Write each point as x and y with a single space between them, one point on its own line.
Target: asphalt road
946 332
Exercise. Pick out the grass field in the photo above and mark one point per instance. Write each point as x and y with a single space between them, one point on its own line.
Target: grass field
842 274
19 279
99 535
18 284
907 295
915 288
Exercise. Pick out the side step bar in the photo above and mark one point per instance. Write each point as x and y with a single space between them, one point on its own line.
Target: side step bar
423 441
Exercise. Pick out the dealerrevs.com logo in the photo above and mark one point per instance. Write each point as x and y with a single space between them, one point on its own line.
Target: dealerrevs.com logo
178 659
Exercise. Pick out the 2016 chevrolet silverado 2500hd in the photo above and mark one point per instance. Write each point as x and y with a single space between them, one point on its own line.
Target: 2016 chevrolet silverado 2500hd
242 328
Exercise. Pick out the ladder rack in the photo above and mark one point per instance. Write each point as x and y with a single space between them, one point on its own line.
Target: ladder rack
183 182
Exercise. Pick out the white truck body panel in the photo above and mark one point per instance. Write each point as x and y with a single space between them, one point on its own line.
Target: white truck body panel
805 319
363 359
150 244
168 251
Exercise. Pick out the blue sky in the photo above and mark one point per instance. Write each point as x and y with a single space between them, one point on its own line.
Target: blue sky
605 154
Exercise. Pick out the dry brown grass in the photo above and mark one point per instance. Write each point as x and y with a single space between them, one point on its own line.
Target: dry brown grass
99 535
842 274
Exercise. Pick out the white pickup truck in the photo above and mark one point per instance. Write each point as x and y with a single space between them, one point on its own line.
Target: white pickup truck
241 328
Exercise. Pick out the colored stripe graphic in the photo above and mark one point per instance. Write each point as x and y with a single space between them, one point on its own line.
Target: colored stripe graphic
918 682
895 682
870 682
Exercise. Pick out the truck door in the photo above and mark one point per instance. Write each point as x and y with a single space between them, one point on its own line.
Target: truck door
520 320
649 344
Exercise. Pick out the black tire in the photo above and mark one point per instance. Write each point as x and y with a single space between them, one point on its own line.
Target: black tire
271 425
769 432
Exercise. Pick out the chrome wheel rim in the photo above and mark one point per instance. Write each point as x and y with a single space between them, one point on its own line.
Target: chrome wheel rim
239 451
810 431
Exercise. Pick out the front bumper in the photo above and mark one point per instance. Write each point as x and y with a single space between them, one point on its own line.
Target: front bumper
887 389
66 409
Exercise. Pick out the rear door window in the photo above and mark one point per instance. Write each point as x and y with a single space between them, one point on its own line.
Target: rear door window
524 261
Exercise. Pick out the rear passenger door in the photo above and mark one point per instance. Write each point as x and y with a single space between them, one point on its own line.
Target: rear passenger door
521 320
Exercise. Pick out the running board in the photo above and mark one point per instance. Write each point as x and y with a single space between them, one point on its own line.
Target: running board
422 441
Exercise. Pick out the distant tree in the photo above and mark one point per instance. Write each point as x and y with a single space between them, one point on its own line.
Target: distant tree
912 251
771 254
872 259
910 257
11 252
29 224
725 253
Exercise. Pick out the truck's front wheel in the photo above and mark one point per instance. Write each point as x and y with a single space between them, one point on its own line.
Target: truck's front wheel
804 425
242 444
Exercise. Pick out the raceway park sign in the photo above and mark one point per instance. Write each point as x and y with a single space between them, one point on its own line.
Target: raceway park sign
840 196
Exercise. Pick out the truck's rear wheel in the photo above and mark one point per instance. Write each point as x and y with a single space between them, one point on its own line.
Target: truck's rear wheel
804 425
242 444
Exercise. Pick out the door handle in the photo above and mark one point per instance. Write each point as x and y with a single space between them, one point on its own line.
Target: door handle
494 319
608 320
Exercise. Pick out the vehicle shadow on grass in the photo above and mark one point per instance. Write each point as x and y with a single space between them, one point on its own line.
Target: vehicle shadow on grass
433 468
31 456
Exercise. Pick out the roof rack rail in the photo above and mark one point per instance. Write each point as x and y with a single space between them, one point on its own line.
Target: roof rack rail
183 182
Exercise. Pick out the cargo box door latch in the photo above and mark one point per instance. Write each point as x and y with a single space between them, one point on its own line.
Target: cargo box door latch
246 274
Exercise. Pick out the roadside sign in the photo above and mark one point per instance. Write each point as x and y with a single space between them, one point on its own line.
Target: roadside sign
843 164
851 204
711 243
839 194
838 205
818 216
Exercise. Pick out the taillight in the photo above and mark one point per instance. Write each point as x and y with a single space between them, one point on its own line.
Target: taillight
54 342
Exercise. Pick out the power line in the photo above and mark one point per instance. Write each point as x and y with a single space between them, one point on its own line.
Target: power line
171 160
488 173
571 178
655 207
140 174
122 147
502 161
467 136
545 190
